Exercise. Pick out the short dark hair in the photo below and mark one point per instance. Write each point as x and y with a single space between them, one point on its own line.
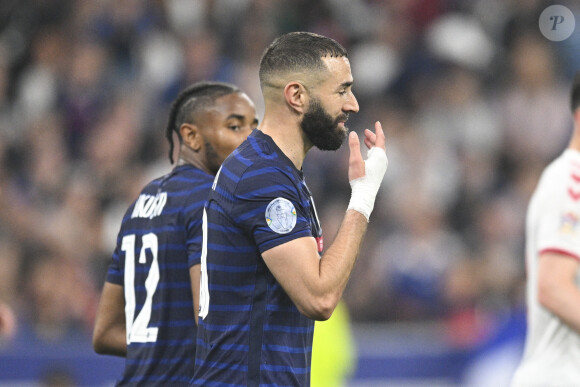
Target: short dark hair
575 95
190 102
296 51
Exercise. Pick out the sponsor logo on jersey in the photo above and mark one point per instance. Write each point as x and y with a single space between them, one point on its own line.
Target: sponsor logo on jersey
281 215
569 223
149 206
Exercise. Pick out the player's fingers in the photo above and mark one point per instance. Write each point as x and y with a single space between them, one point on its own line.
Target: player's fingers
380 140
354 145
356 166
370 139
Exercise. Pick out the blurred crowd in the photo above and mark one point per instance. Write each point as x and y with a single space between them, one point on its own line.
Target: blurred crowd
474 101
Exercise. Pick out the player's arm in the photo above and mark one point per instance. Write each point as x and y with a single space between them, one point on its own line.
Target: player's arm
109 334
315 284
557 290
194 275
7 321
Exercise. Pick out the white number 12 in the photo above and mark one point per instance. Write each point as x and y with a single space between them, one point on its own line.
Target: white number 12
137 329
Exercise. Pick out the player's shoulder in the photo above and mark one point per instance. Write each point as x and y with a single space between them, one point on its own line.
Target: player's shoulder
258 157
184 180
560 179
563 169
152 185
254 150
186 173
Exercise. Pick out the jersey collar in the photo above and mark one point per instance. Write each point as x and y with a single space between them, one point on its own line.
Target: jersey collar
258 134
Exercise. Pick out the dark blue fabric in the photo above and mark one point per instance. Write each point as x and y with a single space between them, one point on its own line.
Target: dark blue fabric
170 359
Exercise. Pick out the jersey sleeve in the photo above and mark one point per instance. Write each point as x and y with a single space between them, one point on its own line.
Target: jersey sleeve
270 207
558 222
114 271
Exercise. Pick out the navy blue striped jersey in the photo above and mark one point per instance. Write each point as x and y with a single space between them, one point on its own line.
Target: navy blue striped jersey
250 332
160 238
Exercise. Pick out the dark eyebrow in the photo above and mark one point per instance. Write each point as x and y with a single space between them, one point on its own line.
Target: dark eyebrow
345 85
241 118
235 116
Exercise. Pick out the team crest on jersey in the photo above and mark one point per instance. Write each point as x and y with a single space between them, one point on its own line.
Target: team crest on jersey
569 223
281 215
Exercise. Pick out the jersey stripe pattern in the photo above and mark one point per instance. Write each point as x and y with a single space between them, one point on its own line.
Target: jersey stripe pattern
253 334
160 238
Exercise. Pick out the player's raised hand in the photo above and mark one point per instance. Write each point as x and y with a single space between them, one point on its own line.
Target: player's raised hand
366 176
375 139
356 165
356 168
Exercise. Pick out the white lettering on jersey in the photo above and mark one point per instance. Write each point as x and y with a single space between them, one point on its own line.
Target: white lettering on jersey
149 206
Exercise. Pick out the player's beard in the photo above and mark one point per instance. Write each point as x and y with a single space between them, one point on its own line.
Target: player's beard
212 158
321 129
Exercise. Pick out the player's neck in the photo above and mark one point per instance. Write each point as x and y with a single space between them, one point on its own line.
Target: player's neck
188 156
288 136
575 140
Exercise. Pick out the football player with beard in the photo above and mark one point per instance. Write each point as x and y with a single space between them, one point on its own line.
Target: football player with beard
265 277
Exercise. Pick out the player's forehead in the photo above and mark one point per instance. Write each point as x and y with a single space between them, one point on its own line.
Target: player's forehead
234 100
237 103
339 71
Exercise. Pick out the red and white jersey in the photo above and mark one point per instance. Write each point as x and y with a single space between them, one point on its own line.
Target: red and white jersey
552 351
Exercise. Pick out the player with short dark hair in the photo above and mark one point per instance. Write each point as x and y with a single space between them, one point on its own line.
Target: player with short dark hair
264 275
552 352
146 312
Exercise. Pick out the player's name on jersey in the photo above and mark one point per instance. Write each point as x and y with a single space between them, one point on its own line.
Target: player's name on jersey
149 206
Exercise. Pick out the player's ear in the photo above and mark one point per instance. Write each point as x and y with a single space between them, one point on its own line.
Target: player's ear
296 96
191 136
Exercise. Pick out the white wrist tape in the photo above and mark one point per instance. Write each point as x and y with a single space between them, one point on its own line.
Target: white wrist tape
364 189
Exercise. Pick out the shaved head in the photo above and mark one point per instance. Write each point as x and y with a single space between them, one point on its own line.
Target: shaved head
297 56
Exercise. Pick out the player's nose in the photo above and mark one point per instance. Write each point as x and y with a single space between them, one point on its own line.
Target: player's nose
351 104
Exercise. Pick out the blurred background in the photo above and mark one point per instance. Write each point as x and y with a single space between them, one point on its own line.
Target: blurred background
474 101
